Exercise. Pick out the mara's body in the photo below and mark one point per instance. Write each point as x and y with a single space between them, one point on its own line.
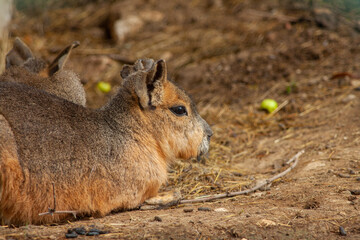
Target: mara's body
23 67
99 160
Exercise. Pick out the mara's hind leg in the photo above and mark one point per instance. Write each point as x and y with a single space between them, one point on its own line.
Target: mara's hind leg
10 172
22 198
23 195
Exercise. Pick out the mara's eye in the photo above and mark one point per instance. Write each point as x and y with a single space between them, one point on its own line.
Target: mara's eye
179 110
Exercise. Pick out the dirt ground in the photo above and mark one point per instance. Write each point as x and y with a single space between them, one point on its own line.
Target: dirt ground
229 55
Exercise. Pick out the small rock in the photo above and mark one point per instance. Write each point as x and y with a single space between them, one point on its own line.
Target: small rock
358 179
352 172
206 209
221 210
355 192
187 210
258 194
266 223
80 230
344 175
71 235
342 231
92 234
325 18
158 219
349 98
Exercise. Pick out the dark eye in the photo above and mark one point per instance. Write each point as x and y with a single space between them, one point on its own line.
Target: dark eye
179 110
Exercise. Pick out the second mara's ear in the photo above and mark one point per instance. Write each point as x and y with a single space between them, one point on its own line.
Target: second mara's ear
19 54
61 59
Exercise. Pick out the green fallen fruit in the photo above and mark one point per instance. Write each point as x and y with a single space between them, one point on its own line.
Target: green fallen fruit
104 86
269 105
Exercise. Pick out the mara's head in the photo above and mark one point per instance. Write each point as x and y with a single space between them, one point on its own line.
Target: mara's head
169 114
20 56
23 67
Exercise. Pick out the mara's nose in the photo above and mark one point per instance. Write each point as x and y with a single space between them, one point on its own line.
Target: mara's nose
209 134
207 129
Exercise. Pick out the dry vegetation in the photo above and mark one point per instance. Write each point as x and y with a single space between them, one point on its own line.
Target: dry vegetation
230 55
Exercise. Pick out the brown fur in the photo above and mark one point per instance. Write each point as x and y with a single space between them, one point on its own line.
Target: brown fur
23 67
115 157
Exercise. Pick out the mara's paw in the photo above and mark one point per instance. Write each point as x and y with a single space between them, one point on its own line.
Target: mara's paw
163 199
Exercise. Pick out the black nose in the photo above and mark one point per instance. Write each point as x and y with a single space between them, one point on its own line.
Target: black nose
210 134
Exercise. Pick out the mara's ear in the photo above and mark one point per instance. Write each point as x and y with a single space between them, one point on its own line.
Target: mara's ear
158 74
150 89
19 54
144 64
138 66
60 61
126 71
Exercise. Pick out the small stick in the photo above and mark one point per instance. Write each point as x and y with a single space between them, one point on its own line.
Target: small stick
294 159
52 211
283 104
54 196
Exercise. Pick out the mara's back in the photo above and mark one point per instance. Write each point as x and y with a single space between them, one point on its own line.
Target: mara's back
54 132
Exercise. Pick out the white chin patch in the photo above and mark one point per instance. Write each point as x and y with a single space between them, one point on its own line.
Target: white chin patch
204 147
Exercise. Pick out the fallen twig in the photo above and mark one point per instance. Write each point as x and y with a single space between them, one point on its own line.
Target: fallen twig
283 104
52 211
294 159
